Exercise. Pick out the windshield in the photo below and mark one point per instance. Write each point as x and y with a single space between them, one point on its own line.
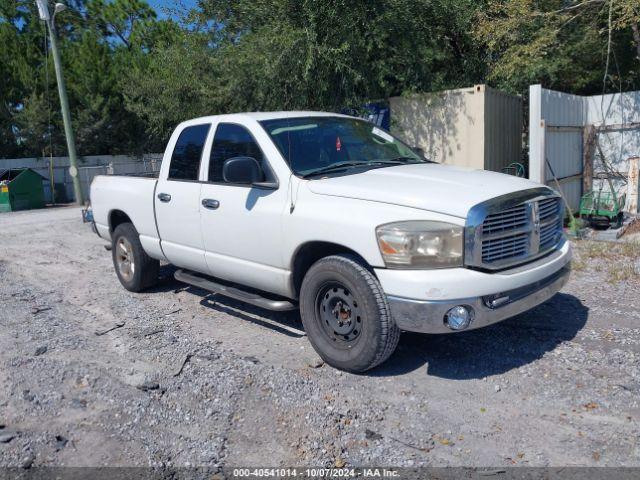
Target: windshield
316 145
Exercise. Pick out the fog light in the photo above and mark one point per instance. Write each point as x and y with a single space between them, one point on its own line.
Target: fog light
459 317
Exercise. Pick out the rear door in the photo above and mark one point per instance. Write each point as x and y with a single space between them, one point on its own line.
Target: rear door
177 198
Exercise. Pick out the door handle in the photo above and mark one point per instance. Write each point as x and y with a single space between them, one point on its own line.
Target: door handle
210 203
164 197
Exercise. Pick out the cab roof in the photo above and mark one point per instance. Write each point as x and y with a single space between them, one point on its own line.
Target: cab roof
259 116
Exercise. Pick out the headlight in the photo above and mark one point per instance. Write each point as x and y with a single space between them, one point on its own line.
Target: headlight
420 244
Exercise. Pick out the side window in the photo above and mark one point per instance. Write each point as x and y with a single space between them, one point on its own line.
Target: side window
230 141
185 160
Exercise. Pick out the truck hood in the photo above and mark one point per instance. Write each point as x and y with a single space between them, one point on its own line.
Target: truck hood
437 188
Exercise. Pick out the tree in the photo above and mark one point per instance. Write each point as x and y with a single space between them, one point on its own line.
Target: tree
339 53
21 41
568 46
99 42
125 20
288 54
173 83
131 77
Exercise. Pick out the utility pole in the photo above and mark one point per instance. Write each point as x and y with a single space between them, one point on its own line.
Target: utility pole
43 10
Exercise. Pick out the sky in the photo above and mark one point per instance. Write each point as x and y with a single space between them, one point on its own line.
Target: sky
159 5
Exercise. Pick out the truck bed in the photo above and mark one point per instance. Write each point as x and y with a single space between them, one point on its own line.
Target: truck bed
133 194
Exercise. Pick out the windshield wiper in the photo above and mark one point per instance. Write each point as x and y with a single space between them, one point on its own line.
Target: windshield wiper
413 160
335 167
394 161
373 163
405 160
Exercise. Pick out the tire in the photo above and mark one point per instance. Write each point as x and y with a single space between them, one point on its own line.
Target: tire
136 270
619 220
346 315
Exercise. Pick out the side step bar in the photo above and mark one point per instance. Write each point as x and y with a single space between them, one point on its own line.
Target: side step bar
235 293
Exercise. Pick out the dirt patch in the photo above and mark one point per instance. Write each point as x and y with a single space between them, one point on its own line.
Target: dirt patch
618 261
633 228
559 385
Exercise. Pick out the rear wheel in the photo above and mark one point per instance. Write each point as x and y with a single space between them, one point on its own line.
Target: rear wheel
135 269
346 315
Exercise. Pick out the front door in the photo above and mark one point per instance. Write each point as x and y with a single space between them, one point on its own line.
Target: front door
242 224
177 200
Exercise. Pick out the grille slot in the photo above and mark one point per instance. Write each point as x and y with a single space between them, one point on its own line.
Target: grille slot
505 247
550 221
548 208
507 220
515 234
549 235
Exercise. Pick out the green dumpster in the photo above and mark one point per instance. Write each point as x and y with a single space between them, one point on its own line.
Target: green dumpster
20 189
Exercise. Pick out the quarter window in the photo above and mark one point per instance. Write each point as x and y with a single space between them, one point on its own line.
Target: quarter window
185 160
231 141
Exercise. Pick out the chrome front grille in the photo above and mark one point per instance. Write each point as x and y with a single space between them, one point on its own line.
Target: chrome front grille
514 229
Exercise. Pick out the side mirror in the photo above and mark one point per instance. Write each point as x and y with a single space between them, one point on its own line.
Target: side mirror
242 170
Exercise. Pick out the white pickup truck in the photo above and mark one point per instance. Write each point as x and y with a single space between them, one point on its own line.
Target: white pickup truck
335 216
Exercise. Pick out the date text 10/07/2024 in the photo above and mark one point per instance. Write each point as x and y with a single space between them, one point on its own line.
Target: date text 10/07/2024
315 473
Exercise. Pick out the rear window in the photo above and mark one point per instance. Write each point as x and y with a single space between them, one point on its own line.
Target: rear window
185 160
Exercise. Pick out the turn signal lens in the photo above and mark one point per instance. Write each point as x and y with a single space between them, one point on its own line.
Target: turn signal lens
387 249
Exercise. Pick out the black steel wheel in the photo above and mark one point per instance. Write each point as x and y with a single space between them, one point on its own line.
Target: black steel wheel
340 314
346 315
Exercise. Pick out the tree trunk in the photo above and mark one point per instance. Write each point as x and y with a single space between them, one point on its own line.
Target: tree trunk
636 38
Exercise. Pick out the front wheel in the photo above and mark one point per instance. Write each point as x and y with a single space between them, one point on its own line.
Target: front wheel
135 269
346 315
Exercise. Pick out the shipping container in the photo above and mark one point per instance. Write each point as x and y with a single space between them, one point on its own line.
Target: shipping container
477 127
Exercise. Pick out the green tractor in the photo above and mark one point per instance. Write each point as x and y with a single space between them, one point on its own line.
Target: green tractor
603 209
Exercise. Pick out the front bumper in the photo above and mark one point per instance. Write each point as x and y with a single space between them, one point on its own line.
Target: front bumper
515 292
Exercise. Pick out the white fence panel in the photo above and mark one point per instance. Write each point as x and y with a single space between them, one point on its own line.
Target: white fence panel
557 135
621 140
556 122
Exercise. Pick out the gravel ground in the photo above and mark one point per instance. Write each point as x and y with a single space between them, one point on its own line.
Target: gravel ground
184 378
